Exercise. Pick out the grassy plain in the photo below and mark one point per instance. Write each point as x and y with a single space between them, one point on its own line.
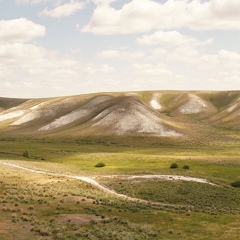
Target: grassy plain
35 206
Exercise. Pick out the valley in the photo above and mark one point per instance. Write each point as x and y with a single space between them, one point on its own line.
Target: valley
100 166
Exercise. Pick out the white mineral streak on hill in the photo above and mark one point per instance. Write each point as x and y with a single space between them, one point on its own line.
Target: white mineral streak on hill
230 109
194 105
154 103
132 117
31 116
44 109
234 105
41 104
78 114
17 112
11 115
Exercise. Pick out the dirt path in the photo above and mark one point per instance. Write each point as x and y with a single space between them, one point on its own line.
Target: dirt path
107 190
84 179
165 177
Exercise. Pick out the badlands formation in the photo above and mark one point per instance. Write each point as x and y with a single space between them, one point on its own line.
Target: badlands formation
158 113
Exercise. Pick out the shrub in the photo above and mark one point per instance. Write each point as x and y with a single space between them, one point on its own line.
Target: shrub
100 164
25 154
174 165
235 184
185 167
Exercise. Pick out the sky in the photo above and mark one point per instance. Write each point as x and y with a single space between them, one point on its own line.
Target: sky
54 48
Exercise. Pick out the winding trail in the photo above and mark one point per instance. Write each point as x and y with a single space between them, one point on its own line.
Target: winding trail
84 179
165 177
107 190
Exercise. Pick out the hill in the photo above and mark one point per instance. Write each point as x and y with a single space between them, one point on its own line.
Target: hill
153 113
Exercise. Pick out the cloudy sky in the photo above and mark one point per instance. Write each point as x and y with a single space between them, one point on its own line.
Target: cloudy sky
65 47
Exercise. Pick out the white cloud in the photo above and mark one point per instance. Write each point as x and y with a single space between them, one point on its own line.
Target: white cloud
18 54
105 68
171 38
64 10
205 61
151 69
29 1
31 67
157 53
75 50
103 2
94 69
34 63
184 50
186 66
226 8
5 72
223 59
188 62
185 54
228 56
120 54
230 62
46 72
146 15
64 73
20 30
155 76
133 17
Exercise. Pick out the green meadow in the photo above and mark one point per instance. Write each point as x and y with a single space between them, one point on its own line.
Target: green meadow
35 206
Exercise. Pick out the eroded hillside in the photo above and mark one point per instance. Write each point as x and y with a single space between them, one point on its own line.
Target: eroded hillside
158 113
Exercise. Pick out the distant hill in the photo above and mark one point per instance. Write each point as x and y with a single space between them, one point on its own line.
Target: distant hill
152 113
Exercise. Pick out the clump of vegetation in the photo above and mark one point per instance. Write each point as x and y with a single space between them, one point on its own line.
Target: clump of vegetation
180 193
235 184
174 165
186 167
100 164
25 154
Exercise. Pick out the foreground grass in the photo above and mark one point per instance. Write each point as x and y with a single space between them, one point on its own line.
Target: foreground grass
35 206
57 208
45 207
201 196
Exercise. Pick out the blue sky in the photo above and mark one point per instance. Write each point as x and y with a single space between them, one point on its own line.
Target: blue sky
65 47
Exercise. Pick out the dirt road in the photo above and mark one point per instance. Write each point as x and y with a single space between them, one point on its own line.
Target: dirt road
91 180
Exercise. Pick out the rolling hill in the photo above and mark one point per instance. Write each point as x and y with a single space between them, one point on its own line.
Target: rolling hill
152 113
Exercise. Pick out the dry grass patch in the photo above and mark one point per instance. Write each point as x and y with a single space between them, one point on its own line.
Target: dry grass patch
79 219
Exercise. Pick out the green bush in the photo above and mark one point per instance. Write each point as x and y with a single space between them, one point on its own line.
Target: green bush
174 165
100 164
25 154
185 167
235 184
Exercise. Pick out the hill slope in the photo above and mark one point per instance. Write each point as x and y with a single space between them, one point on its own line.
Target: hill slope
156 113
